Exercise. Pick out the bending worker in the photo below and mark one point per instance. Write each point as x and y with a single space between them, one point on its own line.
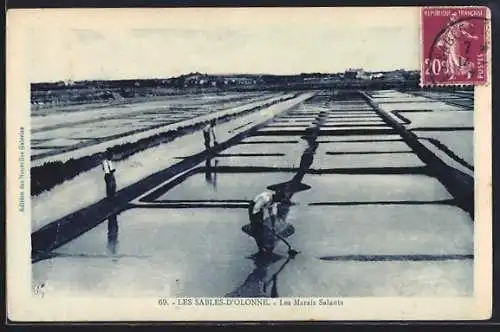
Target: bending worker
263 213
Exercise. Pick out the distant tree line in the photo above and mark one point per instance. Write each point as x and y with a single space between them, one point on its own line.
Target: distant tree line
194 77
81 92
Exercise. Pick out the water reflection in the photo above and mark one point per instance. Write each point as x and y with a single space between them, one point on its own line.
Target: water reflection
295 185
113 234
279 229
259 283
289 188
306 160
268 224
211 172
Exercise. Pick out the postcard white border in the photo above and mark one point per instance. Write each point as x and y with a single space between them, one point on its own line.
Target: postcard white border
23 306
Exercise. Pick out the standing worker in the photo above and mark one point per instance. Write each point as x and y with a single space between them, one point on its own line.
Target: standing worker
208 133
109 176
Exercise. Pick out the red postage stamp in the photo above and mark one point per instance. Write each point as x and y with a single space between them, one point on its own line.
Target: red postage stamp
454 42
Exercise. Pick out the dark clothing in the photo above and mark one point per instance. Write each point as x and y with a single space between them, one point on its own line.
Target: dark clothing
206 135
262 235
255 219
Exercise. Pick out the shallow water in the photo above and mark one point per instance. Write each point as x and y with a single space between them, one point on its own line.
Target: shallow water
359 233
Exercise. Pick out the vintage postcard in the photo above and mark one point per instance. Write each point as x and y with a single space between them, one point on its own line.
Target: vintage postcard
242 164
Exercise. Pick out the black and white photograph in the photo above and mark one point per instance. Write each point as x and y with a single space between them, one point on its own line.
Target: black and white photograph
254 157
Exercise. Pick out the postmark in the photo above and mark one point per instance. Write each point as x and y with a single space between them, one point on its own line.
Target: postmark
454 45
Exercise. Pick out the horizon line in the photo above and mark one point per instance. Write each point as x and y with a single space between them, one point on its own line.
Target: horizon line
215 74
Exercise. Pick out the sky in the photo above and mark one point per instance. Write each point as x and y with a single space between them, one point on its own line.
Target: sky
161 43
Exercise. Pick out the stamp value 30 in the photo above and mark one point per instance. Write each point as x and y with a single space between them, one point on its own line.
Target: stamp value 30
454 42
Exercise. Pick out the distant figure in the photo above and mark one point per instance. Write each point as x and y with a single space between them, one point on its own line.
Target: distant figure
208 134
109 176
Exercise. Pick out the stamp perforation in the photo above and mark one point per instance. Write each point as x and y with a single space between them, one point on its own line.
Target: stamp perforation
455 45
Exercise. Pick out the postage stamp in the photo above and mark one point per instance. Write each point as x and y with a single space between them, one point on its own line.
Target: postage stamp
245 164
454 45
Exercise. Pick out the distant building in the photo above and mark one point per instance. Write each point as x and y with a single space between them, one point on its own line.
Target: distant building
192 79
376 76
356 73
239 80
394 75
